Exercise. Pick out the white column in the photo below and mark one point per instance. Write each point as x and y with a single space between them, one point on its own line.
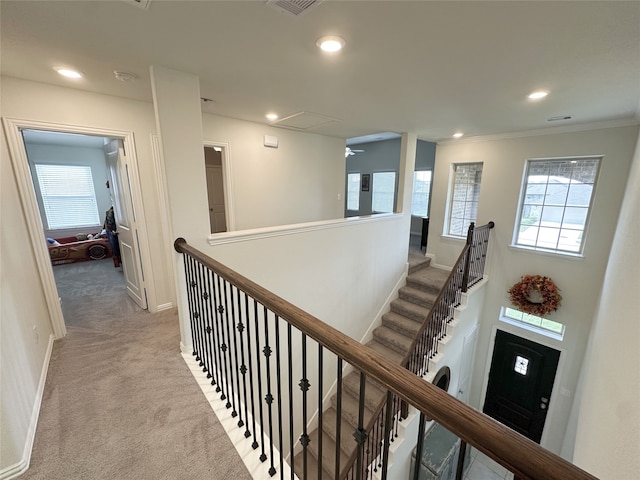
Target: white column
405 175
176 99
608 428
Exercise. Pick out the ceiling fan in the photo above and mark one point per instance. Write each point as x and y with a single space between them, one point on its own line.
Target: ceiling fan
348 152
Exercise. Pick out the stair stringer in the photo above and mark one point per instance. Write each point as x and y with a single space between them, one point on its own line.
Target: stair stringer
466 317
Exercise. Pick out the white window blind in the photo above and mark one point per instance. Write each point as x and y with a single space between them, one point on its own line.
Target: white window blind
421 189
68 196
384 189
353 191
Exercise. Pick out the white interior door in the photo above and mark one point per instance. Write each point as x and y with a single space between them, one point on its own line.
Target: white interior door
125 216
468 352
215 189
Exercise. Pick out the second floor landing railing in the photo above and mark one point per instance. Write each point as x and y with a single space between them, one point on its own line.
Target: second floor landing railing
276 368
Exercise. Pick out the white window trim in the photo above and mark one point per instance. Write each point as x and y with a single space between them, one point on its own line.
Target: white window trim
547 251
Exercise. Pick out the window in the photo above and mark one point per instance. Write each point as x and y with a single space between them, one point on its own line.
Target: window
521 365
353 191
68 196
543 326
465 193
555 203
421 189
384 189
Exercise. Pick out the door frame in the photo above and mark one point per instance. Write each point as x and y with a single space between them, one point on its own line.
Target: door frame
557 382
227 181
20 163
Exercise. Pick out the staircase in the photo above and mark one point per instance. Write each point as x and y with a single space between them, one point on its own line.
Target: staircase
392 339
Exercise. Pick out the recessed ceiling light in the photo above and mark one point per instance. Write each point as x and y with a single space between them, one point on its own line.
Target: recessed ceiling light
271 116
458 134
67 72
538 95
331 44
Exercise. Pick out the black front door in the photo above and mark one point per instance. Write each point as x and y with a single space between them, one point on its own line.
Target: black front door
520 383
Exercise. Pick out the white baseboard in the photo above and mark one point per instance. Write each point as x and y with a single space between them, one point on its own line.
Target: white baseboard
19 468
164 306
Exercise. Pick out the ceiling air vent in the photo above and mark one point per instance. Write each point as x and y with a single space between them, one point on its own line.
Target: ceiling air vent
294 7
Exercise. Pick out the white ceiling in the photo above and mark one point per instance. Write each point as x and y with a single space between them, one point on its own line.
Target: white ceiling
423 66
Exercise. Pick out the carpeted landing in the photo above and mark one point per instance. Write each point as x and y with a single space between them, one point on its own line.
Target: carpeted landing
119 401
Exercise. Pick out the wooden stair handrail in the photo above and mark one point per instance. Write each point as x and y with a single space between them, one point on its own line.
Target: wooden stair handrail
525 458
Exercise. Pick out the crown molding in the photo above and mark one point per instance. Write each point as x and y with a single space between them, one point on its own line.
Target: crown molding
622 122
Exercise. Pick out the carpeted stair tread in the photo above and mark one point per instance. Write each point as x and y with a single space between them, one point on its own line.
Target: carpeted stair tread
328 452
386 352
401 324
410 310
347 442
373 394
430 279
312 468
392 339
418 262
419 297
350 408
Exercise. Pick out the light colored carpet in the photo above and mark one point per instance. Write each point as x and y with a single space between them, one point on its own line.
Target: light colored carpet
119 401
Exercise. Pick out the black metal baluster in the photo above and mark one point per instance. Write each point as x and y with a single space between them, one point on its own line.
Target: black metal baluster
360 434
194 316
304 386
216 331
229 331
209 313
186 260
254 445
243 366
233 326
416 470
223 344
338 418
263 455
203 320
320 422
387 435
276 323
269 397
290 372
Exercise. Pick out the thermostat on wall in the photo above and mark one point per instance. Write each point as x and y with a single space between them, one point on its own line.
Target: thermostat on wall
271 141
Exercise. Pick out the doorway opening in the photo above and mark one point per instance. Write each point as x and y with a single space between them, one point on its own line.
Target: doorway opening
127 182
213 160
82 188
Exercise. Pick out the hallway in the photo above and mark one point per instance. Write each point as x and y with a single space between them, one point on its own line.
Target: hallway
119 401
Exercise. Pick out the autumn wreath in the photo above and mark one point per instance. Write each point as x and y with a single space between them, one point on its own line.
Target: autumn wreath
535 294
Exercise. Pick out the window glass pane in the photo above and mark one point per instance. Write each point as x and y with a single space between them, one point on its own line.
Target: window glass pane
68 196
353 191
555 204
384 187
465 194
532 322
579 194
421 189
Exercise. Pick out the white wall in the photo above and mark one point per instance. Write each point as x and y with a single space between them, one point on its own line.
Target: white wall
579 279
73 155
300 181
23 350
607 438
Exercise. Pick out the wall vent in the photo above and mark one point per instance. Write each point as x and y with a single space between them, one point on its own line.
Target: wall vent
294 8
